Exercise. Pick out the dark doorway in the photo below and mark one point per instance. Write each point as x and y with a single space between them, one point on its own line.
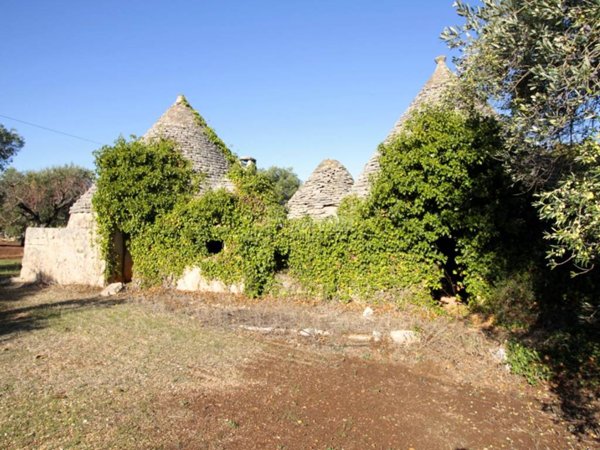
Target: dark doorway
123 271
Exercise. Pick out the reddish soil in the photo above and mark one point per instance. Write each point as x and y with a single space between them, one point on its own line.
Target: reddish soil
296 399
10 250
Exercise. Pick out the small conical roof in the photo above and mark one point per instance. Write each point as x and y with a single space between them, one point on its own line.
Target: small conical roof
321 194
430 93
83 205
195 140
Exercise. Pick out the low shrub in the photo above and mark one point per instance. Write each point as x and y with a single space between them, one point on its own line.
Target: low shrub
526 362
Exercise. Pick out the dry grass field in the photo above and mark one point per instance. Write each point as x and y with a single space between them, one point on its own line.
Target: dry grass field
168 370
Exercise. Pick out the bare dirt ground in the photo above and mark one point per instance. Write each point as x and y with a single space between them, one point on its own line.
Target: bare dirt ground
168 370
10 250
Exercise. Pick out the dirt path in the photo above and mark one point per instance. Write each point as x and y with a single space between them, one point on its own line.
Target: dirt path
10 250
296 401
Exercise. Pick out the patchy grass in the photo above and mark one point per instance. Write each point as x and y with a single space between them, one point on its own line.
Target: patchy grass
9 268
160 369
91 373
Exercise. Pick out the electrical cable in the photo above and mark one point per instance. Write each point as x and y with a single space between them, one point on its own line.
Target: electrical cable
51 129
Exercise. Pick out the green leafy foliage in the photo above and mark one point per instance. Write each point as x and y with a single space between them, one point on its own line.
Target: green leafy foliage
350 259
447 199
573 208
231 237
285 181
526 362
40 198
137 181
539 64
212 135
10 144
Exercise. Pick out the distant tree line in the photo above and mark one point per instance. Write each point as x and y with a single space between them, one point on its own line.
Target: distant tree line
40 198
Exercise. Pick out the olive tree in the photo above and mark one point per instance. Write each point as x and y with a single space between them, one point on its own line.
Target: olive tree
538 63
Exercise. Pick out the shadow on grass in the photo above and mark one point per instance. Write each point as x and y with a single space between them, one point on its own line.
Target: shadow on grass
9 269
567 335
561 324
34 317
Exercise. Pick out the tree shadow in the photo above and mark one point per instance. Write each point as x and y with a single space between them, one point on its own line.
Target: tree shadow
19 319
558 316
567 337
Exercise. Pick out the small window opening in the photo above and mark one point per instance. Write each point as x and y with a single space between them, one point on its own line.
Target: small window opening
281 261
214 247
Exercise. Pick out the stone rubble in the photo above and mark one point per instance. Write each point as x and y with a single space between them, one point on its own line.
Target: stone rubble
404 337
112 289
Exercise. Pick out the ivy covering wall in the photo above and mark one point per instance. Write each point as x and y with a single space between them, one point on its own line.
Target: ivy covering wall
441 216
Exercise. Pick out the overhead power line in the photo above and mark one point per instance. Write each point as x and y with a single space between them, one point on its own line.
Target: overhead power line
51 129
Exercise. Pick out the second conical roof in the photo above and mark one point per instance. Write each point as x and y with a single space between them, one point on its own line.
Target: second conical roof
430 93
321 194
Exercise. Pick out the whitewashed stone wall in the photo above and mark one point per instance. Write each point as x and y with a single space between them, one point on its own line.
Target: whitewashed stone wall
193 280
63 255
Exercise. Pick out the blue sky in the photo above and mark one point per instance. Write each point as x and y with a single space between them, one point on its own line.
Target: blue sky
288 82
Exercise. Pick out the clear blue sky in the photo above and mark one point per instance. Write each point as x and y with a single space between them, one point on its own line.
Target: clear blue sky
288 82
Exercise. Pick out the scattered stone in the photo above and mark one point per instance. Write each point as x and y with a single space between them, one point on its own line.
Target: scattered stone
359 337
500 355
404 336
449 301
267 330
368 313
112 289
312 332
377 336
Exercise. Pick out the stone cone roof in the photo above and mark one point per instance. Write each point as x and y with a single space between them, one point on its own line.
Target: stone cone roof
430 93
183 125
321 194
84 204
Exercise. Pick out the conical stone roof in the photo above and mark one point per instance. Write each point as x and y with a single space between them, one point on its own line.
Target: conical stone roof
321 194
430 93
83 205
193 138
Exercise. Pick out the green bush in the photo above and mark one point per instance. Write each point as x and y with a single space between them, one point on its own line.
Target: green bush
137 181
231 237
348 260
447 198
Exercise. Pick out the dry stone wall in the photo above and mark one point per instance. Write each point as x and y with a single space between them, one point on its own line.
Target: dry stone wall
193 280
181 125
70 255
62 255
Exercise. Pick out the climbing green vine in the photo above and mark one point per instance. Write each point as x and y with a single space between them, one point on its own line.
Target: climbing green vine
137 182
440 209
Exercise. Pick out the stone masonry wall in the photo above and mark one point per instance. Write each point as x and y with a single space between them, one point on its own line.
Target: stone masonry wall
180 125
63 256
429 94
